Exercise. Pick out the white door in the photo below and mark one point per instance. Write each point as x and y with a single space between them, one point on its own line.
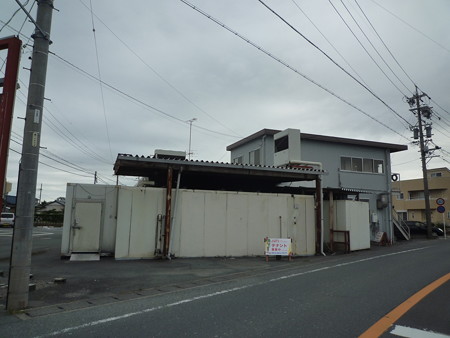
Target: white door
86 227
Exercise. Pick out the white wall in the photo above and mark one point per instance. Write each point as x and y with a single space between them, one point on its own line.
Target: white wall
216 223
206 223
137 213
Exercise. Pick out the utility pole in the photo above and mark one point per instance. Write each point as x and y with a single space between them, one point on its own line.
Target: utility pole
423 111
20 263
40 194
190 136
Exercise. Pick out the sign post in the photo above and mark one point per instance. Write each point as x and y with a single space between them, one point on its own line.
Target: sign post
441 209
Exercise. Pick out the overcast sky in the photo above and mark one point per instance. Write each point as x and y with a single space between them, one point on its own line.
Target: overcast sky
165 55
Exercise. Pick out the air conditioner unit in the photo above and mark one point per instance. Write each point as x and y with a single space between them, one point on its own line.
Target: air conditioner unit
170 154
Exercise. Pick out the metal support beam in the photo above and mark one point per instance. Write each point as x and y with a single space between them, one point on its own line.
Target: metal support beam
319 242
331 218
7 99
168 212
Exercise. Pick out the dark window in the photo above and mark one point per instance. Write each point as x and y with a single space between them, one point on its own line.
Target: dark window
281 144
368 165
356 164
346 163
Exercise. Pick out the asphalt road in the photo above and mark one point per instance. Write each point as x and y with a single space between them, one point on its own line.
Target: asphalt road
337 296
44 239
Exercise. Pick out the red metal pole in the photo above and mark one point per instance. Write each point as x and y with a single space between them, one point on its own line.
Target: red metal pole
167 233
7 99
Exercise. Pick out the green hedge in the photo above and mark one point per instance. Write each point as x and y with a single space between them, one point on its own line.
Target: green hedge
51 217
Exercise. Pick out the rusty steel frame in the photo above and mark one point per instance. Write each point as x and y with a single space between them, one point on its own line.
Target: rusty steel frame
7 98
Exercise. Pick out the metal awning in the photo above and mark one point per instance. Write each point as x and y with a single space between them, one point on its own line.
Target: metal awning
213 175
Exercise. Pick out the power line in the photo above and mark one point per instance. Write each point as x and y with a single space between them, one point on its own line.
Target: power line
332 60
287 65
365 49
134 99
376 50
179 92
411 26
329 42
48 165
384 44
68 136
61 161
100 83
12 16
65 162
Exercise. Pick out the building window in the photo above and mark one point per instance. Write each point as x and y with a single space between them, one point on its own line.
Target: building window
366 165
357 164
416 195
281 144
346 163
255 157
378 166
238 160
436 174
400 196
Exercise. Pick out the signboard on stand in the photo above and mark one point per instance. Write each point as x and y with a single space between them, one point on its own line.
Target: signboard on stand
277 247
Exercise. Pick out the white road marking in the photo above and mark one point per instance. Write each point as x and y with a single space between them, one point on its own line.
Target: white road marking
404 331
35 234
209 295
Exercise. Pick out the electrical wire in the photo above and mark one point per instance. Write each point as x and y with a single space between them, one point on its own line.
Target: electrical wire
67 135
287 65
332 60
365 49
12 16
56 158
375 49
384 44
411 26
179 92
100 83
136 100
329 42
48 165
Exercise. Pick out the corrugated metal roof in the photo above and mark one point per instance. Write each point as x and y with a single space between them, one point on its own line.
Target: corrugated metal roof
199 174
219 164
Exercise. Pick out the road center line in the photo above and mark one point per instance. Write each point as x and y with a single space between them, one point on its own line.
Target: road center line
388 320
214 294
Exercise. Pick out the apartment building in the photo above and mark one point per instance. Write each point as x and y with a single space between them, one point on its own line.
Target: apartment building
409 201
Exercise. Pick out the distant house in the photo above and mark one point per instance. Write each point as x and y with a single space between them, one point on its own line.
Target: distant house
409 199
357 169
9 203
56 205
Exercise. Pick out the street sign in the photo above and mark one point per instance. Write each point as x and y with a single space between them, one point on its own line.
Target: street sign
440 201
440 209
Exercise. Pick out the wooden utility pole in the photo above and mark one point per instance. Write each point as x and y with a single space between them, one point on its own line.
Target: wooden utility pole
20 264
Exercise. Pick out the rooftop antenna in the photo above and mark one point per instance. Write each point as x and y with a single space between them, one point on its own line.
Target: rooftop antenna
190 136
